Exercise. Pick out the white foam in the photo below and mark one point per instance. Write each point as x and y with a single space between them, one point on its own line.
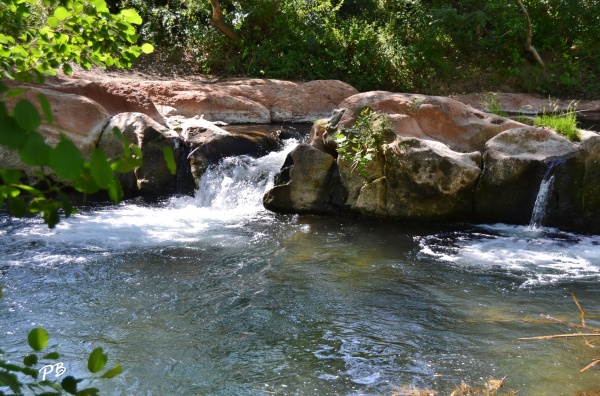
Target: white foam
540 255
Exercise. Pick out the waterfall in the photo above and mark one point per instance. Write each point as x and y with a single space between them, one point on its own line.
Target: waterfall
237 184
541 201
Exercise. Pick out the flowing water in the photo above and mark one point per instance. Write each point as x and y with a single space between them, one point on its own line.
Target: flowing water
213 295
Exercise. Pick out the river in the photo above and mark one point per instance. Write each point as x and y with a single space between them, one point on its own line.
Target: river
214 295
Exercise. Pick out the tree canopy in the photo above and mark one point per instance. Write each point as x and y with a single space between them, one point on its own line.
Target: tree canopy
37 37
403 45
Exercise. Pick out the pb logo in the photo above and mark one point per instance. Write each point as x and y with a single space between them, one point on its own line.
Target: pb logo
58 368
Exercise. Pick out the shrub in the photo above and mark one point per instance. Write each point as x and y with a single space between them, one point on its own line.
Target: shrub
360 143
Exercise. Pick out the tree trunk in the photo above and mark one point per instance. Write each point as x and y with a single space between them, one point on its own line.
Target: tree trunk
528 45
217 22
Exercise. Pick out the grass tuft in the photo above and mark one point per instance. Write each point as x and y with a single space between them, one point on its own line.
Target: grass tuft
563 122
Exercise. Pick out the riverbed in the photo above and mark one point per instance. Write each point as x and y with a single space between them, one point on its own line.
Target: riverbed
214 295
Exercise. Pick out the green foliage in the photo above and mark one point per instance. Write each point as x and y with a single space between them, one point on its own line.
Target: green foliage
360 143
37 37
404 45
563 122
75 31
18 378
18 131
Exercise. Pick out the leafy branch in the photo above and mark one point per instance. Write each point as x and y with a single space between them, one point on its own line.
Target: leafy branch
360 143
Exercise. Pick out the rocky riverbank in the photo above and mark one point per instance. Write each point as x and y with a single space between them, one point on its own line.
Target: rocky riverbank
446 160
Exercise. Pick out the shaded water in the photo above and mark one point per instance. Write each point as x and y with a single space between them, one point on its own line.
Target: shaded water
215 296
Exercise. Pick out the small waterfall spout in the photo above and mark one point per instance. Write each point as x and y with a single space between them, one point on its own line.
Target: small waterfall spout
541 201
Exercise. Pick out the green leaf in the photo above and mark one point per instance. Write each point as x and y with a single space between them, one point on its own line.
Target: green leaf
30 360
52 356
51 217
30 190
67 208
46 108
66 159
67 69
11 380
38 339
131 16
88 392
11 134
170 159
61 13
11 93
10 176
147 48
35 151
17 206
115 192
101 170
26 115
113 372
97 360
69 384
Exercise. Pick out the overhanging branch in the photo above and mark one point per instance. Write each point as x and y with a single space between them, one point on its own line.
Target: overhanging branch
528 45
218 22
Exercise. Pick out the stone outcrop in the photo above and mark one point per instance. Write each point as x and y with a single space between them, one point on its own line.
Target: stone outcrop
459 126
515 162
439 160
177 114
114 96
239 100
445 162
153 179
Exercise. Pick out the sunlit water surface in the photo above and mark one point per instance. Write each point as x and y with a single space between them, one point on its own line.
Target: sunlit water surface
213 295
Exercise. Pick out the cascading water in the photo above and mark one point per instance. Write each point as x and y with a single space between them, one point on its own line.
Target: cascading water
541 201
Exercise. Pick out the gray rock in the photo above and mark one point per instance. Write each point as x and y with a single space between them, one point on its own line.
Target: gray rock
515 163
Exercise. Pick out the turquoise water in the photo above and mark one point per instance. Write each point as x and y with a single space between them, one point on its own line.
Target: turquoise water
215 296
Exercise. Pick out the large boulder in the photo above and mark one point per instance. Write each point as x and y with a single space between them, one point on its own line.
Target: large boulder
249 100
79 118
411 179
459 126
421 180
305 185
153 179
116 96
515 163
574 202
